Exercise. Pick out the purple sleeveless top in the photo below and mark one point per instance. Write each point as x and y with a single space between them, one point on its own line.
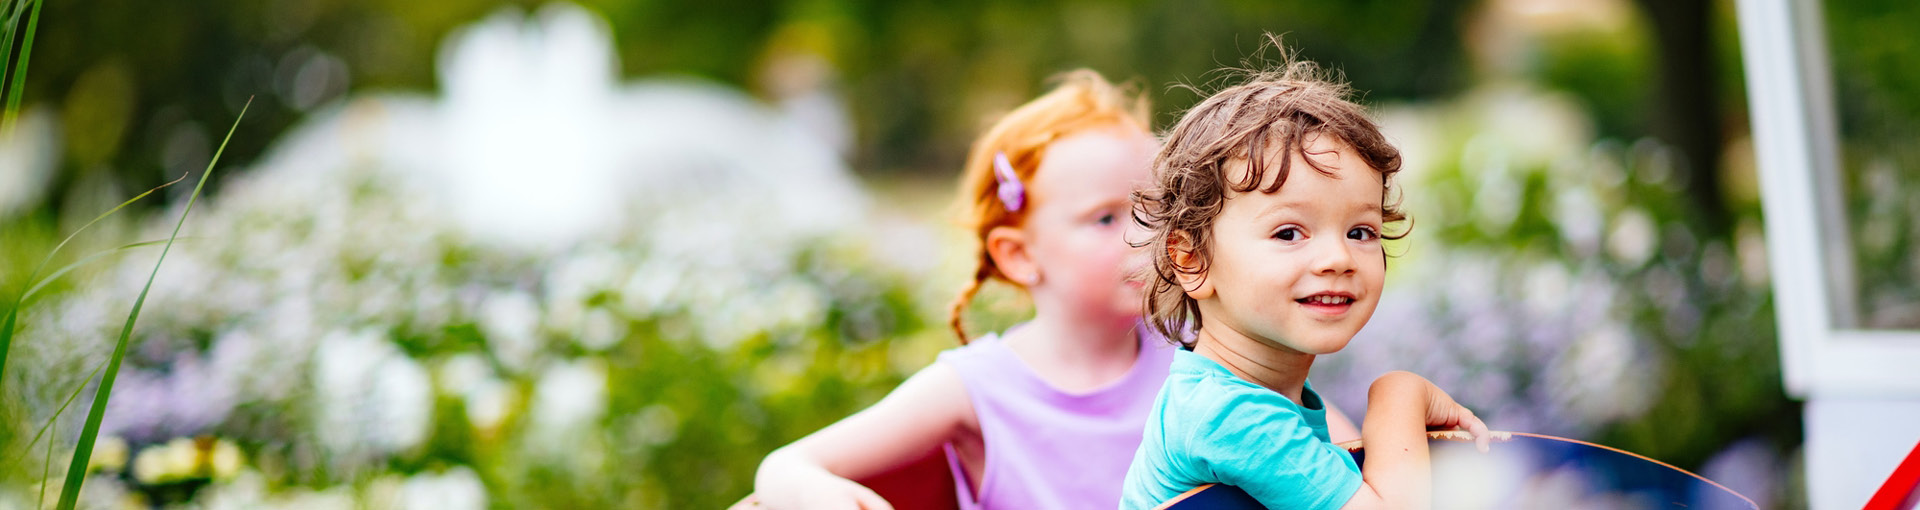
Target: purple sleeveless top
1046 448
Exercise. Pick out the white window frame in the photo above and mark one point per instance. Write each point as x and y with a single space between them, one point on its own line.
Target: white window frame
1823 353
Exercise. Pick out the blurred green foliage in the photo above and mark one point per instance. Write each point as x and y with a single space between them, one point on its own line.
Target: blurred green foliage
140 90
1876 67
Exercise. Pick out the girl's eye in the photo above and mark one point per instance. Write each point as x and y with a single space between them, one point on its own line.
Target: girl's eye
1289 234
1362 234
1105 219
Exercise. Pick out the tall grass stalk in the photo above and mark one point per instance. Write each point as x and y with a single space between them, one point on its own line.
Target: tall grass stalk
83 452
24 451
10 95
13 312
14 87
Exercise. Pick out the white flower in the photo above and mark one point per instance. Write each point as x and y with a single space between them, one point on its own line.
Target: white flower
1603 377
459 372
28 156
653 286
456 489
1577 214
509 319
332 498
488 402
373 400
568 396
601 331
403 397
579 276
1632 241
243 491
1547 285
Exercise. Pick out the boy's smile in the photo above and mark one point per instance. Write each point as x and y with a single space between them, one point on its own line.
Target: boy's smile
1328 303
1302 268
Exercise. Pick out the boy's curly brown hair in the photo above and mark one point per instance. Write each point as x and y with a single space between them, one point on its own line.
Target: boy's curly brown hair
1281 106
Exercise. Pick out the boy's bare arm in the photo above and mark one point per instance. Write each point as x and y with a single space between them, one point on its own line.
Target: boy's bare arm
1400 407
817 471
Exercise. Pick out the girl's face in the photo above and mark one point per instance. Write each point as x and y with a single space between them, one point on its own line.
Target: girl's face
1301 268
1077 232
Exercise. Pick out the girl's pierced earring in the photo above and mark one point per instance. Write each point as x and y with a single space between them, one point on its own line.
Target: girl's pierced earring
1012 193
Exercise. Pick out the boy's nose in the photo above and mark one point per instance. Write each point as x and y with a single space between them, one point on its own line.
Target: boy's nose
1332 258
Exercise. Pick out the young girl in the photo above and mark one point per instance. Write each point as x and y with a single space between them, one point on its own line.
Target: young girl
1270 202
1048 414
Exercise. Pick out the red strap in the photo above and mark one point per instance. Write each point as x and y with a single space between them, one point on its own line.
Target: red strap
1898 492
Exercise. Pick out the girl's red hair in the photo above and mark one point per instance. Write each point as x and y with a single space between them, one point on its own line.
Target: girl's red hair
1082 101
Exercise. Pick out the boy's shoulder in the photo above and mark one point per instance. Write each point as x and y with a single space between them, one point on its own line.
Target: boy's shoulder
1204 397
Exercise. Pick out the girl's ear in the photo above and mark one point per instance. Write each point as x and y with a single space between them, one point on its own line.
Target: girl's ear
1008 248
1187 267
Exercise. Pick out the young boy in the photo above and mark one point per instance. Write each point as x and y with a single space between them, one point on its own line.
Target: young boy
1271 201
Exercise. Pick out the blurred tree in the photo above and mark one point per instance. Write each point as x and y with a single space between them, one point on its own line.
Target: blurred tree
140 88
1687 108
142 91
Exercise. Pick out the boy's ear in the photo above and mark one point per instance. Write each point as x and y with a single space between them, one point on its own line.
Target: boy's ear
1187 267
1008 248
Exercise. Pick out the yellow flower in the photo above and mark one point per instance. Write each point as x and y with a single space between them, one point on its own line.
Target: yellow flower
109 454
150 467
226 460
180 459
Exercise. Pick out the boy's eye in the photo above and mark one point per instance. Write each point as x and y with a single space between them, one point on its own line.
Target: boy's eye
1362 234
1288 234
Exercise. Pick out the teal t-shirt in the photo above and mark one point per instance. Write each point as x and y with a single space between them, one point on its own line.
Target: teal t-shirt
1210 426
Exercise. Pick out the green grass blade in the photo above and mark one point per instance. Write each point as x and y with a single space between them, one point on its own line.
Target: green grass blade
77 469
56 416
46 471
12 13
13 313
17 89
56 274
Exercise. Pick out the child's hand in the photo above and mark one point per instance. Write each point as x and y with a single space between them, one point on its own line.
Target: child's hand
835 493
1443 412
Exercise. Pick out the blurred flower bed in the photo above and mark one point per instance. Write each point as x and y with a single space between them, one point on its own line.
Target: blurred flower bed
350 342
338 330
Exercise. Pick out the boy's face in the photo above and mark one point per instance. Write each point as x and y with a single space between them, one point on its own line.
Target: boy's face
1302 268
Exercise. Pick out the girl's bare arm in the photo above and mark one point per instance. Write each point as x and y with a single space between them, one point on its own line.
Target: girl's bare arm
1340 428
818 470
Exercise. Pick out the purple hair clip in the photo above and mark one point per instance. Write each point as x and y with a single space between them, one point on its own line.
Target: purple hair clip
1012 193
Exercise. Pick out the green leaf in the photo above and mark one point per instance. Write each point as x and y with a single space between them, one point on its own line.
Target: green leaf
77 468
